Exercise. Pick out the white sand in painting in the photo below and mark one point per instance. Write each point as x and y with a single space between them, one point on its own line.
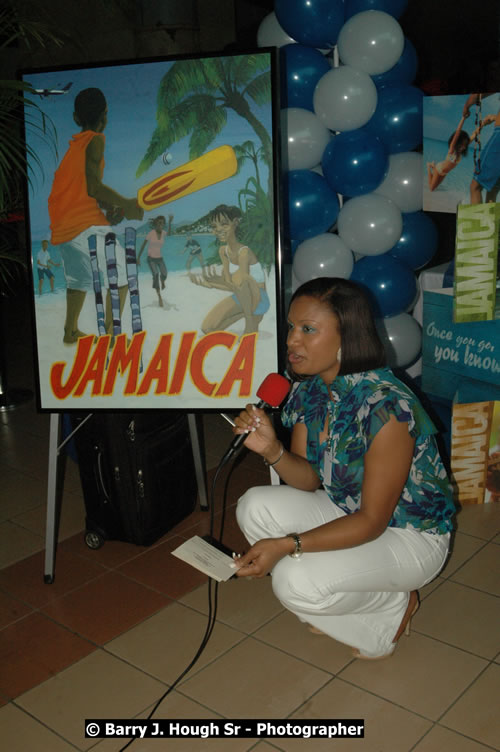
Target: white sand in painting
185 306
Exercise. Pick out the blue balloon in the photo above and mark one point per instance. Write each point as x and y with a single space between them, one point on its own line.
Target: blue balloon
418 242
390 284
398 118
355 162
312 205
315 23
301 69
393 7
405 70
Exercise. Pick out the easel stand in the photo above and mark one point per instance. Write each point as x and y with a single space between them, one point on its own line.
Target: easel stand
54 486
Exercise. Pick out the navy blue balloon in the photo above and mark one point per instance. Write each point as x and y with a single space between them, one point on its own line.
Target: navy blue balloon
355 162
301 69
393 7
398 117
418 242
390 284
315 23
312 206
403 72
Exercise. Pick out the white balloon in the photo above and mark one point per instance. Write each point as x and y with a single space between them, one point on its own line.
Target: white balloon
271 34
325 255
371 41
306 137
344 98
296 283
402 338
403 183
370 224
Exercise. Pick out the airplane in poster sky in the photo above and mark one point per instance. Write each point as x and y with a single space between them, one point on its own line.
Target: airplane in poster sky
53 92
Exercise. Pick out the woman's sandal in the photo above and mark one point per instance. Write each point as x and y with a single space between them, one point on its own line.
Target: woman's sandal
404 627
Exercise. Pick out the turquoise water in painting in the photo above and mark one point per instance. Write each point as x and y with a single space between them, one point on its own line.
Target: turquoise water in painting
172 254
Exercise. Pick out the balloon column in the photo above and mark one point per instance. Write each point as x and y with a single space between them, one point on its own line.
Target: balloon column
353 180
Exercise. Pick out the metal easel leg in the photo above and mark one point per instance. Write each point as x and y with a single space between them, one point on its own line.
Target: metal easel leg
50 529
199 460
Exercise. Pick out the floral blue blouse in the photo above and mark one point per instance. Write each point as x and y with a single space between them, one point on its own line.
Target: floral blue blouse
361 404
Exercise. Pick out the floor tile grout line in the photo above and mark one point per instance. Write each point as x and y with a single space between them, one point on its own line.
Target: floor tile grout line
416 630
42 723
100 575
466 561
426 733
464 691
466 736
333 674
436 724
189 675
232 626
473 587
462 584
381 697
311 696
448 578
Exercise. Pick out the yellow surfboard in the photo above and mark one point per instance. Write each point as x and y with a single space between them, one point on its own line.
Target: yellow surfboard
212 167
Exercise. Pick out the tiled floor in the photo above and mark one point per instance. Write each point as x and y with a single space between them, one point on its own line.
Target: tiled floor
118 625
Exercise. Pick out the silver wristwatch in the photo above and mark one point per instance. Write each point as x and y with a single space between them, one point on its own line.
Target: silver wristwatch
298 545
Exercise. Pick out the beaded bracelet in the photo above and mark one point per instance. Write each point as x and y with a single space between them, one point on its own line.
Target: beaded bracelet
271 464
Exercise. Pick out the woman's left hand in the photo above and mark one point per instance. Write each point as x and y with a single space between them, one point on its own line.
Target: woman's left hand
262 557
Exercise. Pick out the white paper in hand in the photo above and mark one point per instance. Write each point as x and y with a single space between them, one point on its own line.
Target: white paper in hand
206 558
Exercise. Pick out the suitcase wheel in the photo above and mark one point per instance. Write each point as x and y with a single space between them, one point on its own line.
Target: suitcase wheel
93 539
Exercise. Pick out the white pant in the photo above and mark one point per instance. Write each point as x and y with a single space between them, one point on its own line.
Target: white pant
356 595
75 256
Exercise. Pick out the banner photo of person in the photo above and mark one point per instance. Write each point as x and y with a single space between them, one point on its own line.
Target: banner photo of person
154 234
461 150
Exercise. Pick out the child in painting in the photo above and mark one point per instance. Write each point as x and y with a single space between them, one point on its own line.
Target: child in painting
43 263
154 240
77 203
458 144
195 253
242 275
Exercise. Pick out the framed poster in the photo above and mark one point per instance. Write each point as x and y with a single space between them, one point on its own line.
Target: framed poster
154 234
461 148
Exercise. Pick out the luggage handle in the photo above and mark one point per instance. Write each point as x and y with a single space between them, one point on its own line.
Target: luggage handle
100 476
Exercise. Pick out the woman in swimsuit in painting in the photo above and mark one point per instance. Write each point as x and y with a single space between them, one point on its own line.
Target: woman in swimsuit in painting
242 275
458 143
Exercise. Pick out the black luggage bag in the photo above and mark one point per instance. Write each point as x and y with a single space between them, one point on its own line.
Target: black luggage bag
137 474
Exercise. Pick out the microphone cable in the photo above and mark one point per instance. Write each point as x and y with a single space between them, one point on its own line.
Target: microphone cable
213 590
271 393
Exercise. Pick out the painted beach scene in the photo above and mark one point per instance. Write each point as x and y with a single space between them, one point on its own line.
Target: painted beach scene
153 234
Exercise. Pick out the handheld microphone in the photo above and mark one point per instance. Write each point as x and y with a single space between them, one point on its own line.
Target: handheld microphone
271 393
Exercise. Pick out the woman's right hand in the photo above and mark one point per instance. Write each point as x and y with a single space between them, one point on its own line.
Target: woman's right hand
261 437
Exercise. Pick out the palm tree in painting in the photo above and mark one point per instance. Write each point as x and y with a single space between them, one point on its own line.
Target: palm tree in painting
247 151
194 98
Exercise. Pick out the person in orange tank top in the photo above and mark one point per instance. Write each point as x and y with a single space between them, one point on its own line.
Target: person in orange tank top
80 205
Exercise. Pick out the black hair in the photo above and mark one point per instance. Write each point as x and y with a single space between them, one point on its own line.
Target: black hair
155 219
362 348
231 212
463 139
90 105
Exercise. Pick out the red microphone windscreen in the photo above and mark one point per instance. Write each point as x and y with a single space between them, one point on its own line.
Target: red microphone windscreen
273 389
